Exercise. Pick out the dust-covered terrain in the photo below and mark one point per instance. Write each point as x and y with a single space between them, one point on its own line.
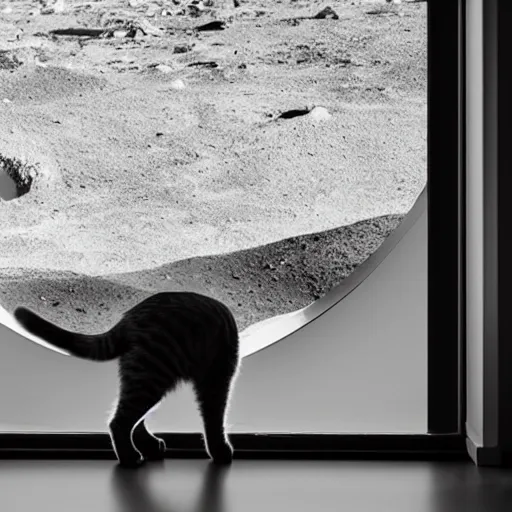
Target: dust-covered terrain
257 151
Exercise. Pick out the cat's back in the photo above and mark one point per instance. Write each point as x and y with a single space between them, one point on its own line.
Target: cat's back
181 311
184 300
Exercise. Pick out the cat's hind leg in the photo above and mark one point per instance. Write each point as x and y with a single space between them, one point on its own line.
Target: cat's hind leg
136 399
151 447
213 394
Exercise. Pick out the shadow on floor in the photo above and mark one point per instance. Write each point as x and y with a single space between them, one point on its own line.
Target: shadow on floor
132 491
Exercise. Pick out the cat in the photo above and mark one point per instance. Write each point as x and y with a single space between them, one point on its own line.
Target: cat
166 339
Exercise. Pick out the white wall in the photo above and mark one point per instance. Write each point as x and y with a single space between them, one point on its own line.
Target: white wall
360 367
482 338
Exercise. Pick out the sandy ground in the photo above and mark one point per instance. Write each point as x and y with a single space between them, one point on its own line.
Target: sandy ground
145 186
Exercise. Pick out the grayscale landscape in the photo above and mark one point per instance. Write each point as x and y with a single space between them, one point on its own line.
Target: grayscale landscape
257 151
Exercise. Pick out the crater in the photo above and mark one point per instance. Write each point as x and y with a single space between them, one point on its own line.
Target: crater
16 178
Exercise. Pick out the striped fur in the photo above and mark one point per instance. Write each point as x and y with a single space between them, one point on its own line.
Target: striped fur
166 339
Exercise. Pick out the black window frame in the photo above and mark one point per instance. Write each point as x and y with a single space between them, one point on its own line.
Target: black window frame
445 437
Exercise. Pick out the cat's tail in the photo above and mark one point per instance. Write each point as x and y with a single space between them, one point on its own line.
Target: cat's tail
95 347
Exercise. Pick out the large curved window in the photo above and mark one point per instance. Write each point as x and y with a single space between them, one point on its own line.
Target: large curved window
261 159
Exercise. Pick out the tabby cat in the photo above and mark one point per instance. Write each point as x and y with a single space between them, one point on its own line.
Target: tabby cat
167 338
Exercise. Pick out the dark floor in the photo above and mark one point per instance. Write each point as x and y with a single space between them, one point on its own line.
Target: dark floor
259 486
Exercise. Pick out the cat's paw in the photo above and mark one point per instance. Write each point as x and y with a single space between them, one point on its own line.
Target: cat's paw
222 455
155 451
131 462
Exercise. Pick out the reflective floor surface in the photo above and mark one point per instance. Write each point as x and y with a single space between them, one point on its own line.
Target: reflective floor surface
259 486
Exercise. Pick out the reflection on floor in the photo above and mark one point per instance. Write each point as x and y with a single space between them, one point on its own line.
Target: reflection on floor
198 486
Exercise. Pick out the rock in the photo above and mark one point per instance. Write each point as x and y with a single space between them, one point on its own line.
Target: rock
196 8
181 48
177 84
7 10
148 28
212 25
8 60
327 13
59 6
164 68
320 114
296 112
205 64
152 10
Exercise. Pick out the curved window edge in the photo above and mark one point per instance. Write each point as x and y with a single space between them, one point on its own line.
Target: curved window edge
261 335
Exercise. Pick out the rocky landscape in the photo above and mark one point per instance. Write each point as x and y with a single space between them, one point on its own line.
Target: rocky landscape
254 150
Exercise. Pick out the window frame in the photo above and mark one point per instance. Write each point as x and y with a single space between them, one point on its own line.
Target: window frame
446 214
445 437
